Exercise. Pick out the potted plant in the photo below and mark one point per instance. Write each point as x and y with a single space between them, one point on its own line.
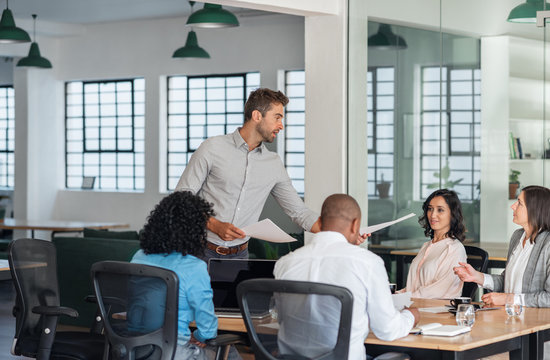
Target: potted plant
513 183
445 177
383 188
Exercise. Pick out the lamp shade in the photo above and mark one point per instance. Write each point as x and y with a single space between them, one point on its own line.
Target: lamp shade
9 33
527 12
212 16
386 39
34 59
191 48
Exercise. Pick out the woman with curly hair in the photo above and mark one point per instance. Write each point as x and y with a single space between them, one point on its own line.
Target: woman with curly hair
431 272
174 238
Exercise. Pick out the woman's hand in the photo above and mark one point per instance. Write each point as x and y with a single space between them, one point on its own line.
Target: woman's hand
196 342
495 299
467 273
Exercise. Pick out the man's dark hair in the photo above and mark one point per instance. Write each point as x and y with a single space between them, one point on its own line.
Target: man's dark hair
339 207
177 223
262 99
457 230
537 199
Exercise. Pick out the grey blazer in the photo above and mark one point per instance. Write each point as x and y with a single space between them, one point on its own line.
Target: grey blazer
536 278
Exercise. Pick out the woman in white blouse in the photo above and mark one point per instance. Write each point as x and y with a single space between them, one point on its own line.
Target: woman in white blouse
526 273
431 272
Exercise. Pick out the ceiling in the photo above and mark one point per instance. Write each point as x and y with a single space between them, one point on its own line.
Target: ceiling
99 11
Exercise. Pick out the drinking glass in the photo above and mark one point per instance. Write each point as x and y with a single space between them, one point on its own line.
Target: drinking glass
465 315
514 305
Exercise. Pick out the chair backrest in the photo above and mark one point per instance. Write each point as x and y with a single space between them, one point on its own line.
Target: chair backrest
296 319
479 259
34 273
139 306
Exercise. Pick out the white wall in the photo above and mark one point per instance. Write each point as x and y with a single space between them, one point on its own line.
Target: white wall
109 51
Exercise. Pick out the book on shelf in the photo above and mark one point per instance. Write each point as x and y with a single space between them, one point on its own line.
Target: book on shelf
511 143
519 152
436 329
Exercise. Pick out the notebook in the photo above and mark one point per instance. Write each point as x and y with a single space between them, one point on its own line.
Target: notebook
226 274
435 329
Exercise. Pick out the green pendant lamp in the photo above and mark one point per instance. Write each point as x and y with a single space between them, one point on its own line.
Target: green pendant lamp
527 12
386 39
9 33
212 16
191 48
34 59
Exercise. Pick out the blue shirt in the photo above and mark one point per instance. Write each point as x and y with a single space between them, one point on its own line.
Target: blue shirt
195 293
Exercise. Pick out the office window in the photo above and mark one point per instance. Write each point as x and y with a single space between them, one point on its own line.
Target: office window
294 132
7 136
451 130
105 133
200 107
380 117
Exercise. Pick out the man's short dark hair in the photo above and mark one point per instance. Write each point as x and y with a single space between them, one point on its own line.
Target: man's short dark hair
339 207
262 99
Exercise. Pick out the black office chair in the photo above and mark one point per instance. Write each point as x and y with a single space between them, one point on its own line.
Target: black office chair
139 306
479 259
281 325
34 272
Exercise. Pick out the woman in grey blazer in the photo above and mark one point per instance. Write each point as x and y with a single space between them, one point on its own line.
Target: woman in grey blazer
527 272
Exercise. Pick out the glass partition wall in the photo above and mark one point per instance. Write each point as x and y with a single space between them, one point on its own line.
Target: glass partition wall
423 125
447 105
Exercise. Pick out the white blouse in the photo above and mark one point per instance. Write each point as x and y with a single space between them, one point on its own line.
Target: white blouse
431 272
515 268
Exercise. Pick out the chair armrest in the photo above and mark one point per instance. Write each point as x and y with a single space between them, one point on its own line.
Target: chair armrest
55 311
91 299
226 339
97 325
49 317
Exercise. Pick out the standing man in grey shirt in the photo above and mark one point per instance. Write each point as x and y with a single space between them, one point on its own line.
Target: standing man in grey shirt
236 173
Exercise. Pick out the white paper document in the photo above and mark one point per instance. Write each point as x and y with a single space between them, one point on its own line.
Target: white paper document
436 329
435 309
373 228
267 230
401 300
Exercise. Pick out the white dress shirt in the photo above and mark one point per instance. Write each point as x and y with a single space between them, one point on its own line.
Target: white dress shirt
237 182
515 268
329 258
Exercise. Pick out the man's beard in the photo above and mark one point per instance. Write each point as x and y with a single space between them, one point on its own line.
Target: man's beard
267 136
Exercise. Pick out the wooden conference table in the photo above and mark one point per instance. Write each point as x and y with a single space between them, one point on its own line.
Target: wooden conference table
498 253
56 226
493 333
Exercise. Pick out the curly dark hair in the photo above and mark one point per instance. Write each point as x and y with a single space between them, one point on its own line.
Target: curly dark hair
458 230
177 223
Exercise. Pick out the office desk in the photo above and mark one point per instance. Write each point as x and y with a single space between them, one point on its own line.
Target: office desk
497 259
492 333
4 270
56 226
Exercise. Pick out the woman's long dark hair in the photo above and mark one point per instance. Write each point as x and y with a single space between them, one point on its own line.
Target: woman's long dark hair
177 223
537 200
457 230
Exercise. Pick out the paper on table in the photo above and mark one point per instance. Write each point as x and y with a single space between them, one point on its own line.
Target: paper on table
435 309
373 228
401 300
267 230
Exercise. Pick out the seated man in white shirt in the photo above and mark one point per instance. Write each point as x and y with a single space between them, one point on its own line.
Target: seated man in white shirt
332 257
